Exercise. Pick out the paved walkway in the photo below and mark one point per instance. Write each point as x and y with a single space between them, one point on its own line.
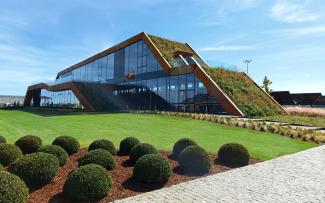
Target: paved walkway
295 178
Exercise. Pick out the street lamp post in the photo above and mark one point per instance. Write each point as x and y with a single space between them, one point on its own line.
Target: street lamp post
247 61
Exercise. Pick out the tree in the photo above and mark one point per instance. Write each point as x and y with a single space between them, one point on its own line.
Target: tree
266 85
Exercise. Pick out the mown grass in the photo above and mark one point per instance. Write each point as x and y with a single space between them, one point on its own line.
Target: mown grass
161 131
299 120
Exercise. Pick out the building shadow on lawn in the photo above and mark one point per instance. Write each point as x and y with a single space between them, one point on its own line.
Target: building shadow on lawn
56 112
135 186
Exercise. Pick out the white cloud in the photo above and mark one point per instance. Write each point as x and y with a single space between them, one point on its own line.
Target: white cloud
289 12
227 48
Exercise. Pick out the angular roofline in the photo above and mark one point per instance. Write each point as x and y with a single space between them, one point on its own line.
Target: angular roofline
213 89
110 50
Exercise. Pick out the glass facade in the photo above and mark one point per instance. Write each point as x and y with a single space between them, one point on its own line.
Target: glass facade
177 93
109 78
60 99
134 58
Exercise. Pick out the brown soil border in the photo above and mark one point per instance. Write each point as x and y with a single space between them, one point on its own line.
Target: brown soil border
123 185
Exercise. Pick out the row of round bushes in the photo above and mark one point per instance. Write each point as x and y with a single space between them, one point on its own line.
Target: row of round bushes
61 148
40 164
91 180
193 159
31 165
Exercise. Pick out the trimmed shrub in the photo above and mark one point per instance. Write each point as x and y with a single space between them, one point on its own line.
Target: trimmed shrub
152 168
87 183
1 167
182 144
140 150
98 156
273 128
58 151
36 169
103 144
233 154
194 160
127 144
69 144
29 144
13 189
2 139
9 153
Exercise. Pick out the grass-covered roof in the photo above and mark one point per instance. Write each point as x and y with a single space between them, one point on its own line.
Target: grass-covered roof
168 48
248 97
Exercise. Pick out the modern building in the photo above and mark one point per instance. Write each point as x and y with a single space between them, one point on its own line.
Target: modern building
144 72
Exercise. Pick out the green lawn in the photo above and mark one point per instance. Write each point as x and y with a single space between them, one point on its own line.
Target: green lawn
161 131
299 120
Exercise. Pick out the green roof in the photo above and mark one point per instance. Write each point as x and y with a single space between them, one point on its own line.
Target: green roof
168 48
247 96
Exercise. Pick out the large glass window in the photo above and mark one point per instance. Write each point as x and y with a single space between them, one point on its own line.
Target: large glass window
61 99
137 59
173 89
110 67
162 88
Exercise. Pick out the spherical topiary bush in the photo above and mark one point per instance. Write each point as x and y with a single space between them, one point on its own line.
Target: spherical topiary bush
127 144
140 150
29 144
12 188
152 168
69 144
233 154
182 144
103 144
2 139
194 160
1 167
36 169
98 156
58 151
87 183
9 153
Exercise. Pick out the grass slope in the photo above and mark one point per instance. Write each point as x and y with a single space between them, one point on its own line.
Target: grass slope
161 131
168 48
250 99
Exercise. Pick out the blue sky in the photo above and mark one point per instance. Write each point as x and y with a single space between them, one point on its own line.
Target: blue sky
284 38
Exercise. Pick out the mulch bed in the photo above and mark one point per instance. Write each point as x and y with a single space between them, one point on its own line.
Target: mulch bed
123 184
